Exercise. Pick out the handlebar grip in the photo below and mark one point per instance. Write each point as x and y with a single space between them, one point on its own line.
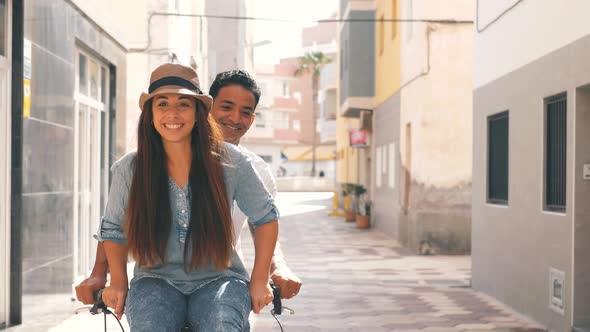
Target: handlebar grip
276 301
97 296
99 306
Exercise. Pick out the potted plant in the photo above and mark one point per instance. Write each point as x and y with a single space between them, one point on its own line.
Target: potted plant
358 191
347 192
363 218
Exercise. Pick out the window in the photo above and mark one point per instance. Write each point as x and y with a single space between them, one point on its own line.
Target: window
378 166
391 170
285 89
82 74
91 155
281 120
259 121
498 158
393 17
555 153
297 96
381 34
262 87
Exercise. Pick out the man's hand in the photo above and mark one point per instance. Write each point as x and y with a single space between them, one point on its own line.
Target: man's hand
287 281
86 289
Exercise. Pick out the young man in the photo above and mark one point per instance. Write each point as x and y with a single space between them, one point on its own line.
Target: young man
235 97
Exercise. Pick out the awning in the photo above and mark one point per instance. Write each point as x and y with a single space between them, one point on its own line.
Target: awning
304 152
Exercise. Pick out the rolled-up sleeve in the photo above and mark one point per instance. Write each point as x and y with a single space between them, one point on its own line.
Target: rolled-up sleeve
111 224
252 196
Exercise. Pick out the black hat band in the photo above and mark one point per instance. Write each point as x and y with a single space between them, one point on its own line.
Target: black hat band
173 80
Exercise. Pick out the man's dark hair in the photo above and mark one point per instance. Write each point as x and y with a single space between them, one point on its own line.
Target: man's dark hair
235 77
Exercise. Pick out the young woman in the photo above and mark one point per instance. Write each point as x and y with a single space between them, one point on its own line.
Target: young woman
169 208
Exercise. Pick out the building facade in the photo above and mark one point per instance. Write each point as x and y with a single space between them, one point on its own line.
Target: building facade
531 160
322 38
422 124
71 72
275 126
230 44
283 132
356 89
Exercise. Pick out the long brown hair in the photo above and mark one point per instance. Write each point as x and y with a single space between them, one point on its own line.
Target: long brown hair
148 215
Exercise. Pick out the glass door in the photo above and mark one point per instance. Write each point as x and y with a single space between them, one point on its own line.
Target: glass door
5 116
91 159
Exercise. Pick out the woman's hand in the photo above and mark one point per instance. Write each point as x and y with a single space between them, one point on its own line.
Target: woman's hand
260 293
114 296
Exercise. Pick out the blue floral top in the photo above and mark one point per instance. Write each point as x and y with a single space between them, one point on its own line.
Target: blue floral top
242 184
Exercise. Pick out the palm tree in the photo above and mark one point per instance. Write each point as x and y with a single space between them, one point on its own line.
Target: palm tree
312 63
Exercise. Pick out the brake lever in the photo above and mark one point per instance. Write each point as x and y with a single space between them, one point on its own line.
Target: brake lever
277 303
99 307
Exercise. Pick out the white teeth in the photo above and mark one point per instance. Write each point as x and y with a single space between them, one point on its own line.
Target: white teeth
232 127
172 126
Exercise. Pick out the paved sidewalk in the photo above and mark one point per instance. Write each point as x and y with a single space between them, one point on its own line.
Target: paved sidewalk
361 280
358 280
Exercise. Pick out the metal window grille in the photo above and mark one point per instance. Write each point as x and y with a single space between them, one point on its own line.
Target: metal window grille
555 153
498 158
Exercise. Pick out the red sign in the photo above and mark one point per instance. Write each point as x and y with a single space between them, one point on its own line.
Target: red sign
358 138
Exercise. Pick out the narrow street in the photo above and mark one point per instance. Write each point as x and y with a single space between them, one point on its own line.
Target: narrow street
359 280
355 280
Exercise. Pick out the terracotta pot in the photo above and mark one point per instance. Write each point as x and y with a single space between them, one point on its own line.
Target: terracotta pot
362 221
349 215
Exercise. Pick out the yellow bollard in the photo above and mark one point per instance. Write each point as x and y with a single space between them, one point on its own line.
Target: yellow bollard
348 213
347 202
335 209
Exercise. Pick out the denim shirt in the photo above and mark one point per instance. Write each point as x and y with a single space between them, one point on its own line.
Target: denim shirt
242 184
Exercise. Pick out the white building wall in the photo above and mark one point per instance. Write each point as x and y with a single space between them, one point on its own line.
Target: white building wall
535 28
133 32
230 41
169 35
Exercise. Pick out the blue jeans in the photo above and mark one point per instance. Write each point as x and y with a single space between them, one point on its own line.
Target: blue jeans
221 305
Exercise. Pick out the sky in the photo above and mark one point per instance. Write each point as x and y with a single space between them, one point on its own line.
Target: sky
285 37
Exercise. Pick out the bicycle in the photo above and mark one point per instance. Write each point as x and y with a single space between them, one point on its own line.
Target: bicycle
99 307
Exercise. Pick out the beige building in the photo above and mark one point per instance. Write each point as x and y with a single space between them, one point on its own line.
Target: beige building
432 182
417 111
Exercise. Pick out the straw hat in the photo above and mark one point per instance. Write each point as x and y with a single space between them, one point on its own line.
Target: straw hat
175 78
